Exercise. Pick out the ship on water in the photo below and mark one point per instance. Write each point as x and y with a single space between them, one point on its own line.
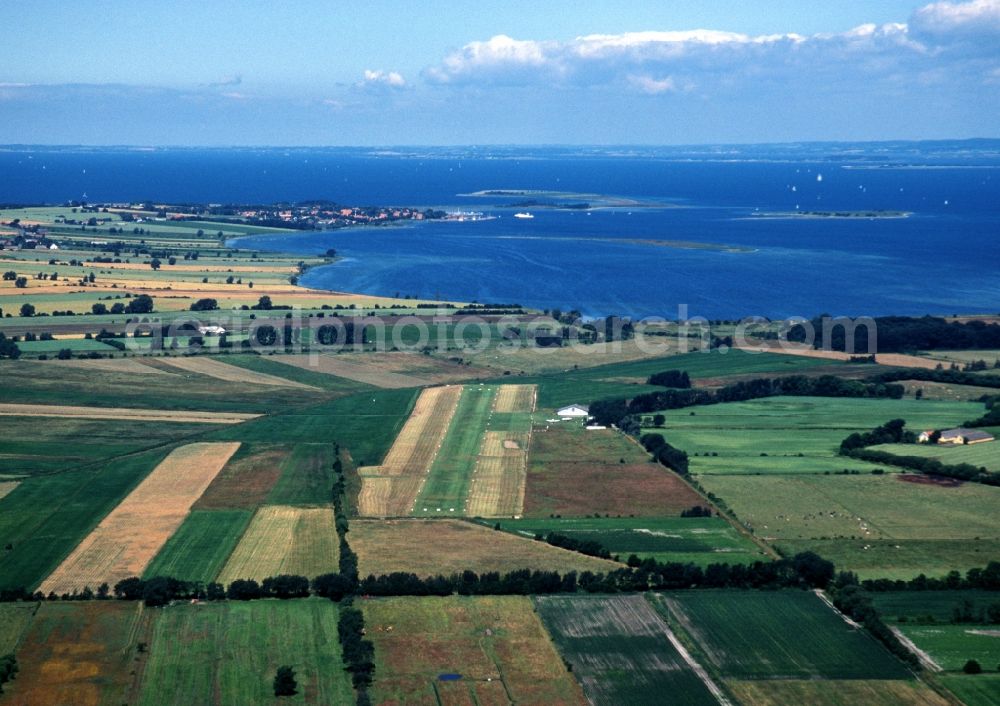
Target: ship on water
524 215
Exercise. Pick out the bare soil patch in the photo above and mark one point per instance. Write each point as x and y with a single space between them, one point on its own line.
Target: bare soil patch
244 482
123 413
6 486
936 481
574 472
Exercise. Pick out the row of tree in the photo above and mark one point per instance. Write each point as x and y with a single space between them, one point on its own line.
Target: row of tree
900 334
673 458
892 432
670 378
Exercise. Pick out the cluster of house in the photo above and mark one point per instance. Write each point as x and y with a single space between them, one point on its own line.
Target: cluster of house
957 436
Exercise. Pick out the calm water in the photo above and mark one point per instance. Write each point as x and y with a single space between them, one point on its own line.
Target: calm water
943 259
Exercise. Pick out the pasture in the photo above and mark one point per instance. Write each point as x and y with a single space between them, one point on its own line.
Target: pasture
83 654
699 540
45 517
285 540
880 526
128 538
227 653
391 488
14 620
497 644
573 472
951 646
980 690
200 547
621 651
432 547
746 635
986 455
793 434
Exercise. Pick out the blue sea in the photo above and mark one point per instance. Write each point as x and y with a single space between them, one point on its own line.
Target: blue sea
942 259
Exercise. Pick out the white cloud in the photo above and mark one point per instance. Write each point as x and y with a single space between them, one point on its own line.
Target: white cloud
389 79
653 86
977 18
641 59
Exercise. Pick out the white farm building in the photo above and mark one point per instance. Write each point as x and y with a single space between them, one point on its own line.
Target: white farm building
574 410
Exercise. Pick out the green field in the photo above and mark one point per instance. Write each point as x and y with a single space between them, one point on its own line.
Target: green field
986 454
496 643
447 484
928 606
31 349
306 476
14 620
617 648
227 653
951 646
365 424
701 540
777 635
793 434
199 548
31 382
980 690
33 445
879 526
45 517
619 379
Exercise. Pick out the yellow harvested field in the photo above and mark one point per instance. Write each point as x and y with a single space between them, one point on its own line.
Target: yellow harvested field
432 547
230 373
515 398
894 359
6 486
834 692
390 489
193 266
125 541
123 413
285 540
498 481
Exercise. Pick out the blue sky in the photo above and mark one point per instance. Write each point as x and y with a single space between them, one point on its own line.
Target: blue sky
546 71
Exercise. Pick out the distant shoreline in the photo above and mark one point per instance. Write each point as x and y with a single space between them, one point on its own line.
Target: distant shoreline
853 215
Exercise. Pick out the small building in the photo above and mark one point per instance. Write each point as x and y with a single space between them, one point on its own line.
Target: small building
574 410
211 330
964 436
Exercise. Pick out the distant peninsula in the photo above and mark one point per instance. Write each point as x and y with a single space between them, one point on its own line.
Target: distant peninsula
833 214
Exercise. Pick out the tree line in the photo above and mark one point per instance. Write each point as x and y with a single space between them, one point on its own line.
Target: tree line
900 334
612 411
